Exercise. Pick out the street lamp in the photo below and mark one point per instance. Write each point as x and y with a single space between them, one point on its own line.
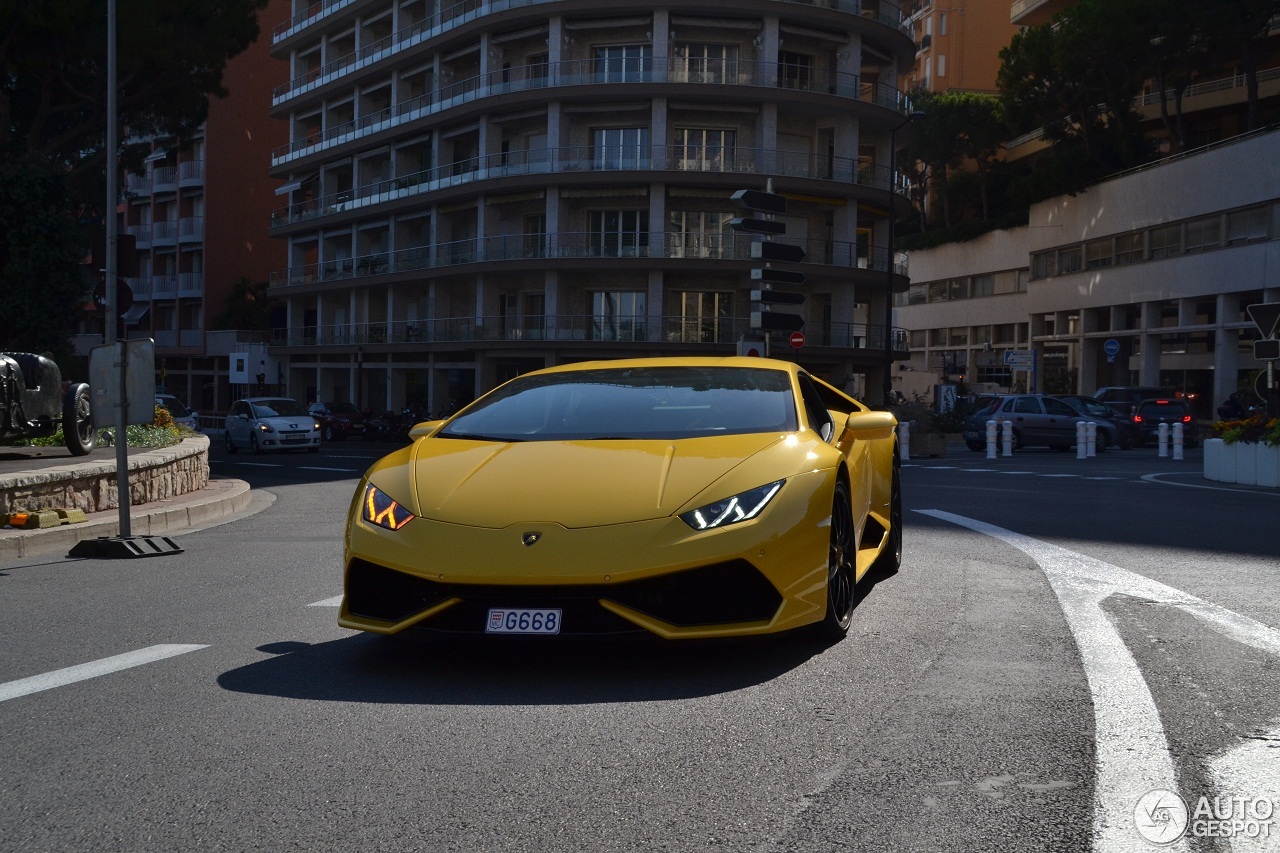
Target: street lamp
888 290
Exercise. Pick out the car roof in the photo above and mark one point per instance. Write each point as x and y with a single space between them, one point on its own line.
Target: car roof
692 361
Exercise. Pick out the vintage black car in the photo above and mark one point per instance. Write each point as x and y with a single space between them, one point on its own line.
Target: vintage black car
34 402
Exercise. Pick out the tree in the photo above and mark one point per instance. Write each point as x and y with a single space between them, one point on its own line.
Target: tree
1234 31
42 284
956 126
248 306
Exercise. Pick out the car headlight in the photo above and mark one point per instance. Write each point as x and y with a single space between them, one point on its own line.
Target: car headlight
315 425
266 427
740 507
380 509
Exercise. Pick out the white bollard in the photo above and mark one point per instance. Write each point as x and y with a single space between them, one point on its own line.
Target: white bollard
1163 441
1008 437
1080 440
991 439
1091 438
1177 442
904 440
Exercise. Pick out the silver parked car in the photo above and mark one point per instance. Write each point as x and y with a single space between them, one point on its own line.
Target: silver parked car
1037 419
178 411
271 423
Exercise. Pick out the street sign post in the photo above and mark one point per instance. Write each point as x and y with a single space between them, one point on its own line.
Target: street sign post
797 339
764 318
1112 349
1266 316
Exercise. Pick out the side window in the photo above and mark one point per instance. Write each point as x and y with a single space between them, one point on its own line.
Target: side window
1027 406
1059 408
819 417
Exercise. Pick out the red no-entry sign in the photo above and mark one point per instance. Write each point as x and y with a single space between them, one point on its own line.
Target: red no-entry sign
797 339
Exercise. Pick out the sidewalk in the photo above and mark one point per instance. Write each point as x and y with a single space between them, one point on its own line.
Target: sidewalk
157 518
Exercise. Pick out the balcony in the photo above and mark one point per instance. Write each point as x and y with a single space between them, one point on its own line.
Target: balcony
744 161
457 14
191 229
164 233
141 234
592 72
164 286
191 337
164 179
138 185
523 248
190 284
140 287
723 331
191 173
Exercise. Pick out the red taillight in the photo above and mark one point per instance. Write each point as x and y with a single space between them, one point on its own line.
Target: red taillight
1137 418
1186 419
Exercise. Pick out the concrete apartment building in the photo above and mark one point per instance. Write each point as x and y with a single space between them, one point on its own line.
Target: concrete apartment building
199 215
1143 279
959 44
472 191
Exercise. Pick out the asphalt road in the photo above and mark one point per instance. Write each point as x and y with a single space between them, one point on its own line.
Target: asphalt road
997 693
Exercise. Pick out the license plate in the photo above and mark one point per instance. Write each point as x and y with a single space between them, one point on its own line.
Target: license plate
523 620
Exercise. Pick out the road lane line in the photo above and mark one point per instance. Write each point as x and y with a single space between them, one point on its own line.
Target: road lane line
336 601
1132 753
318 468
81 672
257 464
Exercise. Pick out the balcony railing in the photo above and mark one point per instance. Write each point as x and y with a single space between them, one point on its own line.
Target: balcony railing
567 246
141 234
597 72
164 232
164 179
746 161
574 327
139 185
191 284
140 287
191 229
164 286
460 13
191 173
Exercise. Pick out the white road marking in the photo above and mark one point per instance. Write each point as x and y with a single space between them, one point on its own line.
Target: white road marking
319 468
1060 475
106 666
1132 752
336 601
1017 472
261 464
1155 478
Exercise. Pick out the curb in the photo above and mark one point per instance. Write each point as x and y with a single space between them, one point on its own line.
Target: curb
218 499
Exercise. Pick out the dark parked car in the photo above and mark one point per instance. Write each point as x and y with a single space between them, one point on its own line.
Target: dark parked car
1124 399
35 402
1165 410
338 421
1037 419
1126 434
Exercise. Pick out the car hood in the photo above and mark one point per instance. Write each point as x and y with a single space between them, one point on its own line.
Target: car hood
290 423
585 483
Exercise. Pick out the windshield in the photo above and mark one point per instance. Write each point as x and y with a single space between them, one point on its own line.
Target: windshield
279 409
174 406
342 408
633 403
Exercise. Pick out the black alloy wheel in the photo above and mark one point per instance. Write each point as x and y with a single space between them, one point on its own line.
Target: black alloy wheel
327 435
841 569
231 445
253 443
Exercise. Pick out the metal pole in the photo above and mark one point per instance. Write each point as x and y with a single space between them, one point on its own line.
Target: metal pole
888 282
122 438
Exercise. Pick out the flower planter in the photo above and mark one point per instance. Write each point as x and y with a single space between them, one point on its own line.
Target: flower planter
1246 463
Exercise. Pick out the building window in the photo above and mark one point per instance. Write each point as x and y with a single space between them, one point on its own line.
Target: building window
983 285
706 317
619 233
621 148
705 149
1204 234
795 70
539 63
1245 226
534 239
917 339
942 24
700 234
1165 242
1128 249
706 63
1069 260
1099 254
942 65
618 315
535 316
1044 264
624 63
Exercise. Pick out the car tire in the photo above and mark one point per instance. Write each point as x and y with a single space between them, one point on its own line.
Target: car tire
1101 442
327 435
231 445
841 569
975 446
77 420
253 443
890 559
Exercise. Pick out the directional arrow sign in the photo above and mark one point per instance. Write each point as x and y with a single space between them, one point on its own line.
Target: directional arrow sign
769 321
777 297
777 276
758 226
1265 316
1267 349
781 252
761 201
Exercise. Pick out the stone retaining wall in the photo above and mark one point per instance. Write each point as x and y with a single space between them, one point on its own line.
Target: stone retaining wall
91 486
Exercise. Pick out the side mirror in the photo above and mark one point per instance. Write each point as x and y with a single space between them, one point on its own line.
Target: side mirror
866 426
424 428
242 416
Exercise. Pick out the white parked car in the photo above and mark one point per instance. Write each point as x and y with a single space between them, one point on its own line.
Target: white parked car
271 423
178 410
